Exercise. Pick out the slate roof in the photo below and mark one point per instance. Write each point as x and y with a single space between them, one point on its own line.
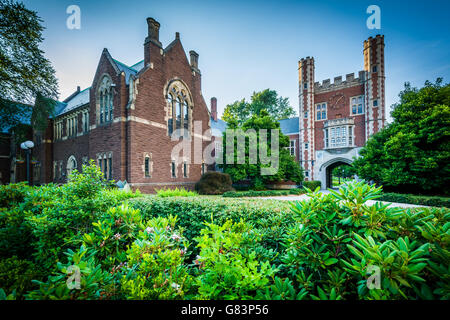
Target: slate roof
82 98
289 125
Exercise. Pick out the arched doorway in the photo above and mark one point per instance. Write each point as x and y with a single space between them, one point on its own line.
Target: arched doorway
328 167
337 173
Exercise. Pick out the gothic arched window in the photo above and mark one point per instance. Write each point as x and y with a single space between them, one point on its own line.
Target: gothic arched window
105 98
71 165
179 107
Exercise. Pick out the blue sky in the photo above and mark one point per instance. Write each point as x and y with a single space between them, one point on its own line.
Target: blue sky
247 46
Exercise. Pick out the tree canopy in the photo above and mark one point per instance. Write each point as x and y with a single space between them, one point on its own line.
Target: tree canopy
412 153
24 71
289 169
276 106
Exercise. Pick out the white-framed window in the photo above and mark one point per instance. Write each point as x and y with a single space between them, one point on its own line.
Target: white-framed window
291 147
338 137
307 173
357 105
321 111
306 146
306 114
375 103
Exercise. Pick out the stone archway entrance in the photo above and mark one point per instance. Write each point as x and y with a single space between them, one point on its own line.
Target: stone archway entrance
329 172
327 169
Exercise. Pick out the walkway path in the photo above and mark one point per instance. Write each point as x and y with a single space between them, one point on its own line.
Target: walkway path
369 202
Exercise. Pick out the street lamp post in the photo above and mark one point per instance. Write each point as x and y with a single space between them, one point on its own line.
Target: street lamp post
27 146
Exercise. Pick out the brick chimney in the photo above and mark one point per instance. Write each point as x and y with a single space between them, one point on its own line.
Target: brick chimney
152 39
194 59
214 108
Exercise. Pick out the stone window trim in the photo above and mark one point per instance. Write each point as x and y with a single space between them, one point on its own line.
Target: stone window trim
186 168
361 96
104 161
104 100
147 166
178 98
321 111
292 147
71 164
173 169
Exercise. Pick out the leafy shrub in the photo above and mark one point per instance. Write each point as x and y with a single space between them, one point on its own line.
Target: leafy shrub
214 183
432 201
94 283
12 194
16 275
154 267
312 185
271 217
224 272
333 245
163 193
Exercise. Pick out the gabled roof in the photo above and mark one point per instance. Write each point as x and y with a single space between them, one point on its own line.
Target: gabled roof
76 100
290 125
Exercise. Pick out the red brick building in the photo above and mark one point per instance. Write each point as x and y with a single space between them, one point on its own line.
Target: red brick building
336 119
128 121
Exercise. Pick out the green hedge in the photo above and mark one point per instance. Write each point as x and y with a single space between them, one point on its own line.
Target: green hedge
272 216
312 185
431 201
264 193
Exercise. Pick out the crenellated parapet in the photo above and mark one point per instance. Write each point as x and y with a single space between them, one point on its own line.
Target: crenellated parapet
339 83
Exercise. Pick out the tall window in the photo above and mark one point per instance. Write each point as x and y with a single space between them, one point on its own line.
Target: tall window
173 169
179 106
110 168
185 169
178 113
203 168
170 103
147 165
85 121
291 147
321 111
105 98
357 105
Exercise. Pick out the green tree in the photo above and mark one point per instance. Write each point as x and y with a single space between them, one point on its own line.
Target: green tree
288 169
24 71
413 152
241 111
